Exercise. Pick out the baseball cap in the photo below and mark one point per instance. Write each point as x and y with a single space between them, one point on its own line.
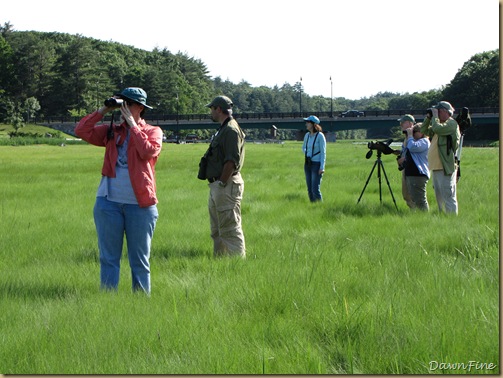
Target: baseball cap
406 117
223 102
444 105
312 119
135 94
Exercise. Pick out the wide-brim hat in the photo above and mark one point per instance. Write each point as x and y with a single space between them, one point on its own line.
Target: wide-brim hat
135 94
444 105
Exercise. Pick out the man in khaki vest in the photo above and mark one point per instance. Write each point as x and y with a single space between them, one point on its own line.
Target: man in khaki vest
225 159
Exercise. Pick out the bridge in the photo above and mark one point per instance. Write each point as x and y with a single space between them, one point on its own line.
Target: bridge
287 121
294 121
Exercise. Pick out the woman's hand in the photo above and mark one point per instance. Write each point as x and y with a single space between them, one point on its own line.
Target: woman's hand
127 115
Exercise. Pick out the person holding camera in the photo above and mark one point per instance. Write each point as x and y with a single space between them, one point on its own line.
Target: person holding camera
406 122
221 166
126 201
444 134
314 148
464 121
415 166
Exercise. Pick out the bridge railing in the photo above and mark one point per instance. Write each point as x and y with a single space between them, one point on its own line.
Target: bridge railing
160 117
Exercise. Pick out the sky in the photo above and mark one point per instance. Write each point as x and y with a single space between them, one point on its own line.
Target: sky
351 48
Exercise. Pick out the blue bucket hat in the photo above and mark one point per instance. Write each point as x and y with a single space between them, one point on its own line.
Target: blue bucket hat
135 94
312 119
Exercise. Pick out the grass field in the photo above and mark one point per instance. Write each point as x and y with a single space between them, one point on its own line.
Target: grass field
328 288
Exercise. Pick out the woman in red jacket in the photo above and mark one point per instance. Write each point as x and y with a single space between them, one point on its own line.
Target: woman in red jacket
126 198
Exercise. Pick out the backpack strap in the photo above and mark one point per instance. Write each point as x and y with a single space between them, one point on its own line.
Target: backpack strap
314 142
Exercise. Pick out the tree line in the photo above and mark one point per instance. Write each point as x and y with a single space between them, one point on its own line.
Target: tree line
57 74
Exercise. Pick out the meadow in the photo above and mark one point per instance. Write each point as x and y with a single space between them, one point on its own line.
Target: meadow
328 288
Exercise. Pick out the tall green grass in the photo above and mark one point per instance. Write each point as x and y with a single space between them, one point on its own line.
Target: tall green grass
327 288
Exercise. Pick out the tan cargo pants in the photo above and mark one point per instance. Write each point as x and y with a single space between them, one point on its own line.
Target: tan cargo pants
224 206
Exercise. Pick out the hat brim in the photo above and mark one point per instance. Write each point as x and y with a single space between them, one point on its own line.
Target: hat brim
129 98
311 120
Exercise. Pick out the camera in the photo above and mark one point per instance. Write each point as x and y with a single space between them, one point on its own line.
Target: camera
429 112
203 163
381 147
401 167
113 102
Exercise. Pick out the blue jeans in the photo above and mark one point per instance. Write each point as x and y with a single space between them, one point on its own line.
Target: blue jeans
113 220
313 181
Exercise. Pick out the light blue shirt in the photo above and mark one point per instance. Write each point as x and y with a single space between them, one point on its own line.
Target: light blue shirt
119 189
419 152
315 150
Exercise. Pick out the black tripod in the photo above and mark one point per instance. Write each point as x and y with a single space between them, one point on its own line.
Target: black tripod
380 166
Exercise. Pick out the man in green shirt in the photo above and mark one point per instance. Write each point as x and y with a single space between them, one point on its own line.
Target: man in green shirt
444 134
225 159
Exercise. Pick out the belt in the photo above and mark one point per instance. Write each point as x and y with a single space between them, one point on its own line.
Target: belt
213 179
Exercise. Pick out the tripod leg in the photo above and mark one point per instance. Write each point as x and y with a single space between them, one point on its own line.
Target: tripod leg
368 179
379 165
389 186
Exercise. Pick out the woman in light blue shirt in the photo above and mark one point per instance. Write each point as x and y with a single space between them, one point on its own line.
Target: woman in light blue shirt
314 148
417 172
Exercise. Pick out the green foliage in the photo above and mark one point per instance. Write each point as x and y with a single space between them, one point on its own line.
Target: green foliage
6 69
73 74
351 134
477 83
14 117
74 113
34 134
327 288
30 107
29 139
422 100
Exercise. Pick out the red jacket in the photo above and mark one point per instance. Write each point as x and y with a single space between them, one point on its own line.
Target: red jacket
145 142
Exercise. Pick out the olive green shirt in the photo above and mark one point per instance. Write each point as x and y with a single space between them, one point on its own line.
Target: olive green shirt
227 145
443 130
